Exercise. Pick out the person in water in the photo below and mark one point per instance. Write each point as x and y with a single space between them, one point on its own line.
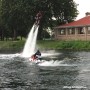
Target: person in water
36 56
38 17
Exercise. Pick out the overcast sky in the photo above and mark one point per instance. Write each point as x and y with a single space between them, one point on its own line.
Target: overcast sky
83 7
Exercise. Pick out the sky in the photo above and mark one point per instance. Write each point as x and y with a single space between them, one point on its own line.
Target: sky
83 7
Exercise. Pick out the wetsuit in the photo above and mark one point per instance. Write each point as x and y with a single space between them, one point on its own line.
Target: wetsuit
38 18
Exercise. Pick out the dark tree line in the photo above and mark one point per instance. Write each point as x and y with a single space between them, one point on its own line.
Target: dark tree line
18 16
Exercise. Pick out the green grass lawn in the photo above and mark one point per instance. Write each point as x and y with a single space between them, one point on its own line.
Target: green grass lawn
11 44
75 45
47 44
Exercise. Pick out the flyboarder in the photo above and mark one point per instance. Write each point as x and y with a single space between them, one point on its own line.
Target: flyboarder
38 17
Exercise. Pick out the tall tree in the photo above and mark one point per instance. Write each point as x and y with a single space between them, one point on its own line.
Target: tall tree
16 16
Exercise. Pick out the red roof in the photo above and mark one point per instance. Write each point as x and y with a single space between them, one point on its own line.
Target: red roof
81 22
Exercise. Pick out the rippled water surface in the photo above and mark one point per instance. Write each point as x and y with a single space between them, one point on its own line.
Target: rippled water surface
61 71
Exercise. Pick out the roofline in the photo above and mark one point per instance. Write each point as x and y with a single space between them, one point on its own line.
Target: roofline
71 26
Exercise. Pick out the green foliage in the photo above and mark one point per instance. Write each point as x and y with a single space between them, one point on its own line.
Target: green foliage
74 45
8 45
47 44
45 34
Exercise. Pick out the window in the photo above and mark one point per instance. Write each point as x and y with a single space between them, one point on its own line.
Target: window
71 31
81 30
88 30
62 32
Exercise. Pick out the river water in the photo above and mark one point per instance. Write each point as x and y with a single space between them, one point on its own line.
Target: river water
62 70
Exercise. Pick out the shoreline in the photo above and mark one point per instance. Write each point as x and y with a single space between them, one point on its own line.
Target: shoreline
44 45
13 51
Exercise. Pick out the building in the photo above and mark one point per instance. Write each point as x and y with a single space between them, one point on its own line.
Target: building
76 30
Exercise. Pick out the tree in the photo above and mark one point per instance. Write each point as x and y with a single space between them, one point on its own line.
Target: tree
16 16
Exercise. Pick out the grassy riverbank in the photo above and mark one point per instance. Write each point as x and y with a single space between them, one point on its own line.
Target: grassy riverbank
11 46
74 45
47 44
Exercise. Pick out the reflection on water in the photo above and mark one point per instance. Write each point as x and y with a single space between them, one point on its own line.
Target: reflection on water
72 73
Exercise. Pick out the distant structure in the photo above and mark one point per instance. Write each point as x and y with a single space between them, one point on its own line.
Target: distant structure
76 30
87 13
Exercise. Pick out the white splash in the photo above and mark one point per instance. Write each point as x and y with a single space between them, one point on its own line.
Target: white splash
51 63
9 56
30 44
